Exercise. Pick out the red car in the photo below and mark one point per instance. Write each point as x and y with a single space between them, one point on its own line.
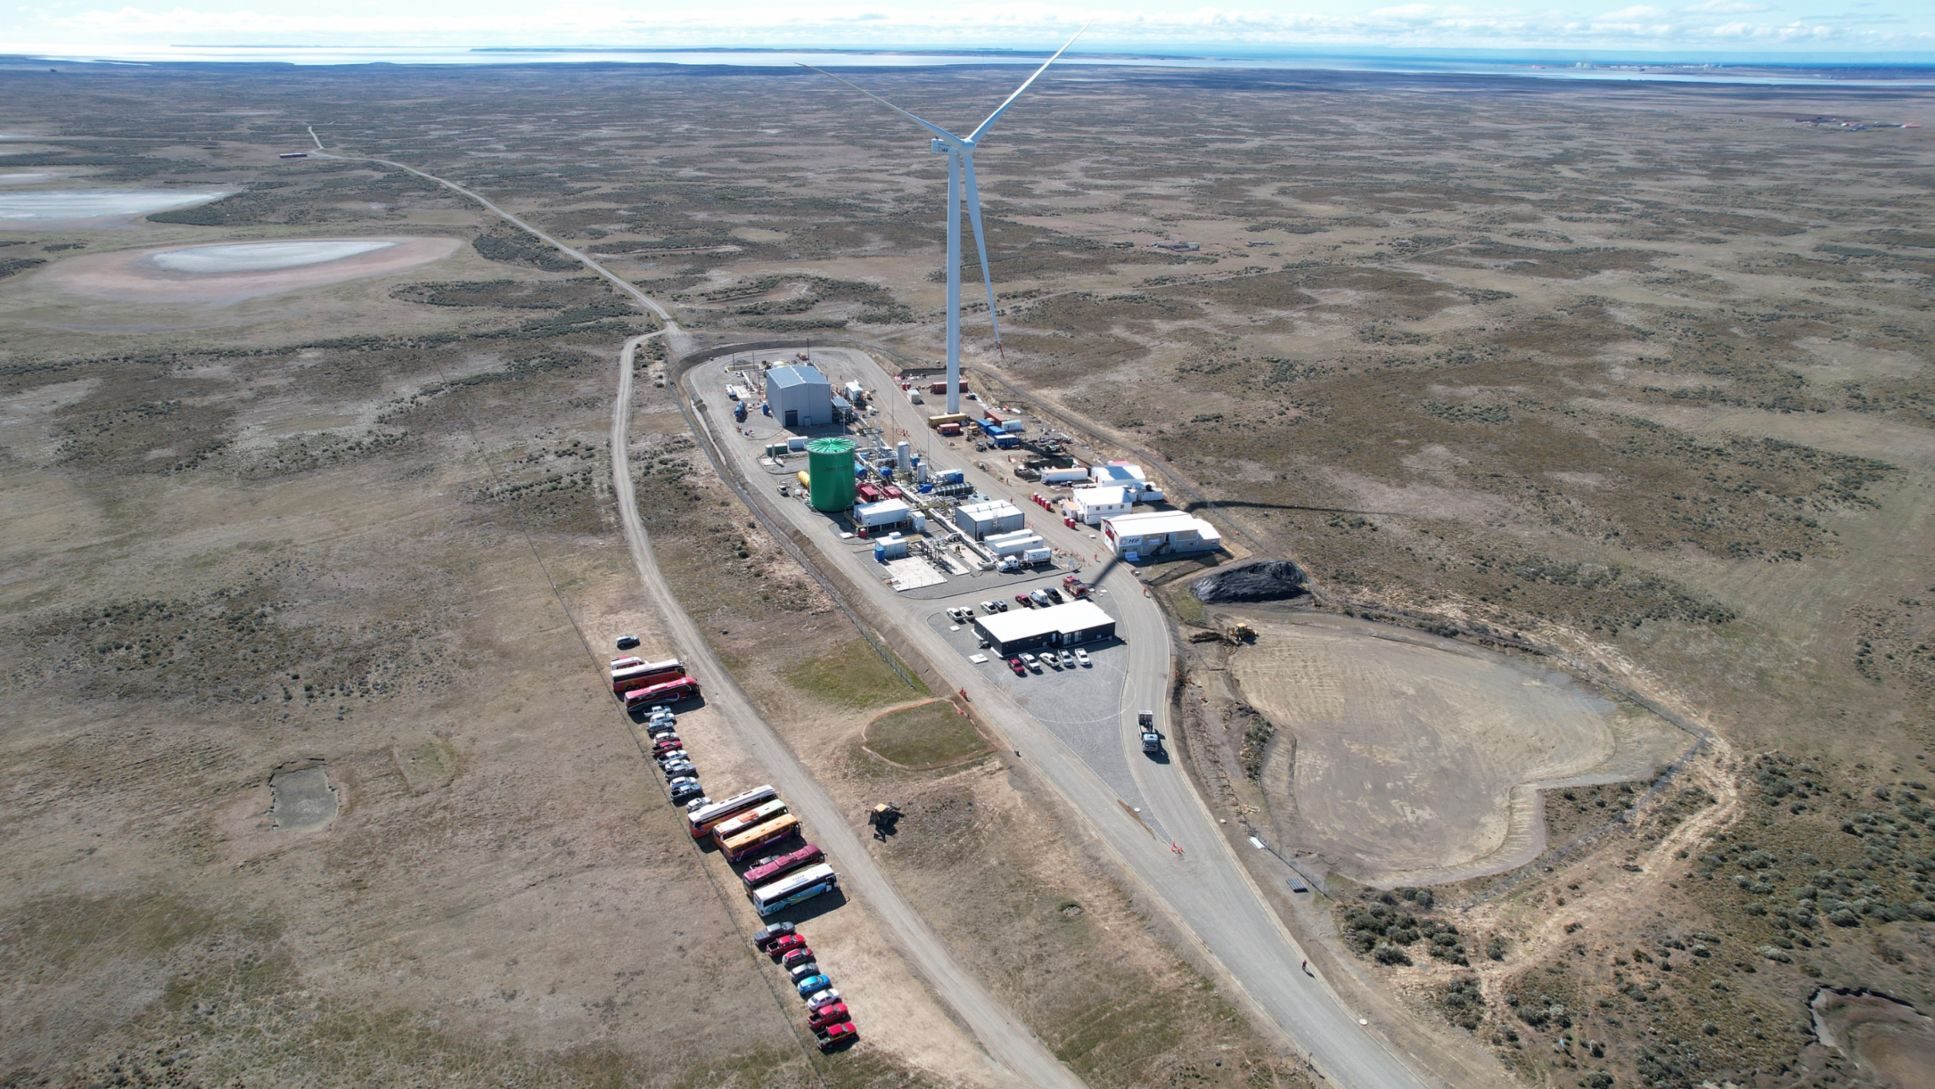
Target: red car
667 744
1024 601
798 955
837 1035
1015 664
785 944
831 1014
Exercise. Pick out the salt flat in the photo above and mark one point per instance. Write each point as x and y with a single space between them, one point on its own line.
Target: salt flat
262 256
68 206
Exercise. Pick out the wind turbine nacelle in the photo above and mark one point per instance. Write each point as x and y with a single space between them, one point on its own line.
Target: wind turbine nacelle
937 145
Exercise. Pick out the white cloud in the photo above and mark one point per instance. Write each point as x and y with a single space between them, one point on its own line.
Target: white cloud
1726 7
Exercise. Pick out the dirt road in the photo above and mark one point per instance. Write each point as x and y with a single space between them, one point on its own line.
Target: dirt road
1010 1043
1006 1040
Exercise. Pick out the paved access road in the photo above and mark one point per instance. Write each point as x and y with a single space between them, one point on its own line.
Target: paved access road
1007 1041
1205 887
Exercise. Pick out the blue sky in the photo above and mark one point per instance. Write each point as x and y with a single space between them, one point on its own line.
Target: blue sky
1684 27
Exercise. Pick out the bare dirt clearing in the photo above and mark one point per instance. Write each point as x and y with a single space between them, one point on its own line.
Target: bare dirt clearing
227 273
1413 760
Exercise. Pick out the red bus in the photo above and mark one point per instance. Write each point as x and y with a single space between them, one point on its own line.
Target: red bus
638 676
784 864
679 688
641 676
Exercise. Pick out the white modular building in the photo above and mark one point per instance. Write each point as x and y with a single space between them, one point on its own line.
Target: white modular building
1124 475
800 396
987 516
1099 501
882 515
1154 535
1012 544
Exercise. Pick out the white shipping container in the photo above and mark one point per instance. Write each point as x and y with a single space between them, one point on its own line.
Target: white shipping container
1038 555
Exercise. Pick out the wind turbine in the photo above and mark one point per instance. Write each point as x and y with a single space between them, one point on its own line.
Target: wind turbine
960 170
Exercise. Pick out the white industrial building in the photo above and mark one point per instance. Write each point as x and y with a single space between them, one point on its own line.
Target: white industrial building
1099 501
979 519
799 395
886 514
1056 626
1149 536
1124 475
1013 543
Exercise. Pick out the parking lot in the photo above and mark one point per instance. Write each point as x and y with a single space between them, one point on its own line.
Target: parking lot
1082 705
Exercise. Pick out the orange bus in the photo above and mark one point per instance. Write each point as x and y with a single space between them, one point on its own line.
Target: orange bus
739 822
759 837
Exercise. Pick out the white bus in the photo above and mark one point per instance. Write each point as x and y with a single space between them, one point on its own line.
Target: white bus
794 888
704 818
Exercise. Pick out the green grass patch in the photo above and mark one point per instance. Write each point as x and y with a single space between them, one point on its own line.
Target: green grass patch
853 675
928 736
1187 608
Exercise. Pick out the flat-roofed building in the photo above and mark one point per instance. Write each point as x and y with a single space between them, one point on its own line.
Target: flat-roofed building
1065 625
1137 537
1099 501
979 519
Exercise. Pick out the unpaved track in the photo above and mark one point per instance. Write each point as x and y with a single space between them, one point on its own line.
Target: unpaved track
1010 1043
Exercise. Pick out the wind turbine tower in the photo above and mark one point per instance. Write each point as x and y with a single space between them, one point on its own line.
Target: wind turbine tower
960 172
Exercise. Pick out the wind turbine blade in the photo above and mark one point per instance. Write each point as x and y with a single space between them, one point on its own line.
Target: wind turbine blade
980 241
922 122
983 126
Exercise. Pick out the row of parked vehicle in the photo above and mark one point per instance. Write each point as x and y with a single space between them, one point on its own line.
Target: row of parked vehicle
740 826
826 1014
1027 662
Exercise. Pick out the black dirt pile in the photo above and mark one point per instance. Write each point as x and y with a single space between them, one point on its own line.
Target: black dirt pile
1265 580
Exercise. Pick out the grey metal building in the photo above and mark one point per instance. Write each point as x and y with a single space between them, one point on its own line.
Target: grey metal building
800 396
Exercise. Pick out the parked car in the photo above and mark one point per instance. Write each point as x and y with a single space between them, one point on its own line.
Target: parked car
1000 605
1054 595
784 944
1069 660
839 1035
770 933
682 780
1024 601
823 999
796 956
987 607
1033 664
683 794
1015 664
627 642
1082 658
1039 598
812 985
830 1014
805 969
1049 659
681 767
671 755
667 743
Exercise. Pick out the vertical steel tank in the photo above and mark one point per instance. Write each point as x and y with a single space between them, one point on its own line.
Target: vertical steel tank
829 464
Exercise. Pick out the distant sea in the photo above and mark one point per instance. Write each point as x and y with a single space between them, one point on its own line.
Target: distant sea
1841 72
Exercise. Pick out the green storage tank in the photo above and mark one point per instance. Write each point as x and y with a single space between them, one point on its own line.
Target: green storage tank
829 464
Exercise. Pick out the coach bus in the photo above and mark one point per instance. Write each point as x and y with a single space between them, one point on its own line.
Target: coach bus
739 822
628 677
767 872
795 888
676 690
707 817
760 836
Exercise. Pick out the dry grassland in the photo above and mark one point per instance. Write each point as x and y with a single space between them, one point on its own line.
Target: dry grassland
1638 373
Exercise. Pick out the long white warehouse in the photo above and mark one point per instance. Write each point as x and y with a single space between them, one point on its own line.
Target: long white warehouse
1138 537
